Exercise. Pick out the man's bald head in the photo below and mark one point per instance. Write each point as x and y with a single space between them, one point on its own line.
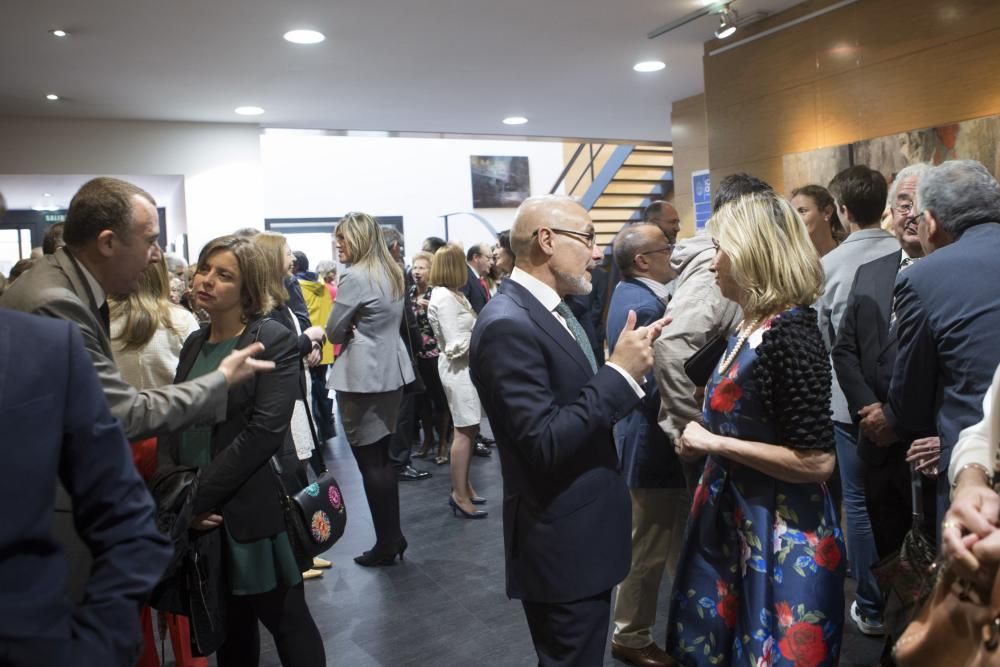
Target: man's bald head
541 211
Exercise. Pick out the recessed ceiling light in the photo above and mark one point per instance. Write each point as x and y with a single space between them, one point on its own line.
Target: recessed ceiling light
515 120
304 36
649 66
46 194
52 97
249 111
58 33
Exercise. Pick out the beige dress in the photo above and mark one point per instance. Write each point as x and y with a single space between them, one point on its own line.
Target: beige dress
452 320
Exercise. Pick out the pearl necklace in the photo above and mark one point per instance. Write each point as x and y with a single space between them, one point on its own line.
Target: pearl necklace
740 340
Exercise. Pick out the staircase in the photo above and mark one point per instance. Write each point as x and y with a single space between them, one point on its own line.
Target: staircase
615 183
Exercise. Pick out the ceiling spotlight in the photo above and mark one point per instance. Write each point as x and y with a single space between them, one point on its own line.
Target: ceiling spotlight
58 33
515 120
727 22
52 97
249 111
304 36
46 194
649 66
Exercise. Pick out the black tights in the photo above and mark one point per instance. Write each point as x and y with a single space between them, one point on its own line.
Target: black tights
381 483
284 613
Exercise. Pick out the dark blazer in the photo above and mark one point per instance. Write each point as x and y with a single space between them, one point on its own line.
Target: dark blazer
865 350
239 482
473 291
566 510
947 318
648 457
56 426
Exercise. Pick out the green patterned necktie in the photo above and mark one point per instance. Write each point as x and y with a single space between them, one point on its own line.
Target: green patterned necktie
578 333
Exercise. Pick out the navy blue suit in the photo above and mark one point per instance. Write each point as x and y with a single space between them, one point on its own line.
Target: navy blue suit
648 457
566 510
474 292
947 317
57 427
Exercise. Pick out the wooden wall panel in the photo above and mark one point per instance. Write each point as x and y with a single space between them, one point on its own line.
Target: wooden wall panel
873 68
689 132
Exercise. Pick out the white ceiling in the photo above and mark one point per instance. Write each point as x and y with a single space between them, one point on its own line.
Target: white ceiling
440 66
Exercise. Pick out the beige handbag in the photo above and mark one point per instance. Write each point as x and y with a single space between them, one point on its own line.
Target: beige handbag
958 625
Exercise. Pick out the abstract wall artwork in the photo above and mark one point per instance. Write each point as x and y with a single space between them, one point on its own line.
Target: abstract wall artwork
499 181
977 139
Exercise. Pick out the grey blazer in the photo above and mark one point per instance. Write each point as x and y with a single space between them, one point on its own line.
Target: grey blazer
366 320
57 287
840 265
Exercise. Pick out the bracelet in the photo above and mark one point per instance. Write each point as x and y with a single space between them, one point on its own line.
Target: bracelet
978 466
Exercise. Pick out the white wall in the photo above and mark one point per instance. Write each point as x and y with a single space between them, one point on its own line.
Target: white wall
308 175
220 163
235 177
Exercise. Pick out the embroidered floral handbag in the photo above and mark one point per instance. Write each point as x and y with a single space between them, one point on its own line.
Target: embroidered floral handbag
315 517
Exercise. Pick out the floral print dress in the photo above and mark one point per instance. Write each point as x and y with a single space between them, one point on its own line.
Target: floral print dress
761 575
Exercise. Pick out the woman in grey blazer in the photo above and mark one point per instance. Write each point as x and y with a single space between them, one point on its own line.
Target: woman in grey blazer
371 370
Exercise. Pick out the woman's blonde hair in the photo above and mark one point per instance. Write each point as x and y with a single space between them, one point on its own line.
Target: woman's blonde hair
145 310
273 245
773 260
255 272
368 250
426 256
448 268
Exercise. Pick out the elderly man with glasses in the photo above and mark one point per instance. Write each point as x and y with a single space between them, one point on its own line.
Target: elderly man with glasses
863 359
566 510
947 310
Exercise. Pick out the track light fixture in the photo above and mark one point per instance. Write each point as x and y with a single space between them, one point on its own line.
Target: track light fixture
727 19
727 23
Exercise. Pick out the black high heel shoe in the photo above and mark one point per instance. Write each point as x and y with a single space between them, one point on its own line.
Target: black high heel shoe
456 508
477 500
376 558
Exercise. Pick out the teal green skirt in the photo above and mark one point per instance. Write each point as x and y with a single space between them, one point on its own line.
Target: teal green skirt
262 565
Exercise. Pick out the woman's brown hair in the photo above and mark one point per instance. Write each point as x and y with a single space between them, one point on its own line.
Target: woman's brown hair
255 272
448 268
145 310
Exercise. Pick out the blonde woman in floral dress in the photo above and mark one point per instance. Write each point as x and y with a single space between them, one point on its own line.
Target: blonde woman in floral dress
761 576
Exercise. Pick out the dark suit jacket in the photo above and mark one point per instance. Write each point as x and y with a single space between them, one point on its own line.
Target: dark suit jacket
865 349
947 317
648 457
57 427
473 291
239 481
566 510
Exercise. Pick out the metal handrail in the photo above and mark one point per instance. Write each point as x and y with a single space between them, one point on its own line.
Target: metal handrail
572 161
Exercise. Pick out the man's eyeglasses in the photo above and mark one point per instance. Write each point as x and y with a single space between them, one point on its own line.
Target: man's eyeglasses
668 248
904 208
590 238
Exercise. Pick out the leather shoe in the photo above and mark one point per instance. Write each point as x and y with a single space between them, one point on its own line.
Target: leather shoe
409 474
482 450
650 655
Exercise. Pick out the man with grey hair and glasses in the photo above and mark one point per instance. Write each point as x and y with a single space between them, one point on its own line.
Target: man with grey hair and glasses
947 312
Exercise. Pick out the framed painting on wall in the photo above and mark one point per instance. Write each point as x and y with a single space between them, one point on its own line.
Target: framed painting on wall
499 181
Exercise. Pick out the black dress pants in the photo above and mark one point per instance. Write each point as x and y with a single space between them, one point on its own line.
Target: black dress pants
284 613
399 445
570 633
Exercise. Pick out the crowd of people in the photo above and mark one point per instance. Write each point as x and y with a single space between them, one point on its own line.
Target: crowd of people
707 409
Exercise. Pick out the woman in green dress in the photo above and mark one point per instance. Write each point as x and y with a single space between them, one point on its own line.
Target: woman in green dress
238 492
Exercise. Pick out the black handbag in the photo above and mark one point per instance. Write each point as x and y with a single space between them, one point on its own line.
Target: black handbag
700 365
315 517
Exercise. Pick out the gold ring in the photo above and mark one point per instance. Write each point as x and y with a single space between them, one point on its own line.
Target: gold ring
949 524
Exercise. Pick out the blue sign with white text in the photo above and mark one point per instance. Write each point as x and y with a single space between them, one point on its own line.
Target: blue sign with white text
701 190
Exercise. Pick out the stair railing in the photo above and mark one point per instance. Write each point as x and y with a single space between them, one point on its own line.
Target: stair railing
588 168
